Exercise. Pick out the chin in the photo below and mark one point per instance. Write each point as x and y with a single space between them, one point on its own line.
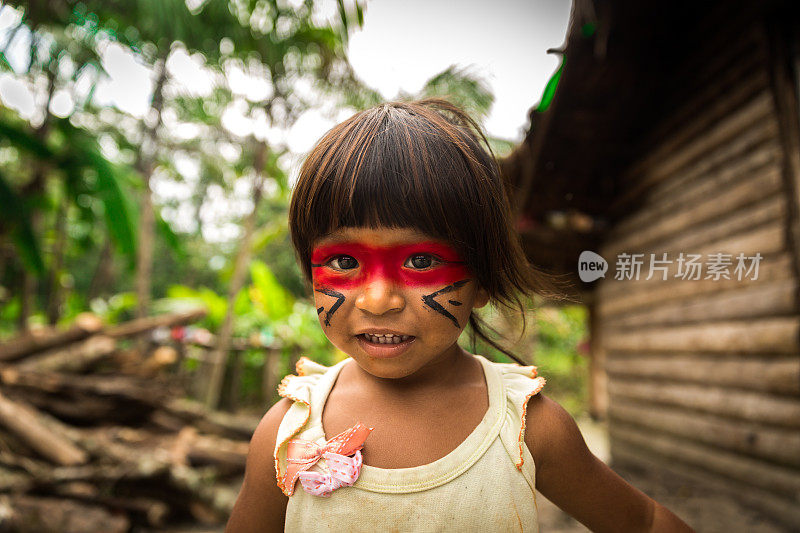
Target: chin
385 368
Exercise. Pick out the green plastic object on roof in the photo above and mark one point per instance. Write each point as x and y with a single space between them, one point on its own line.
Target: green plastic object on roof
550 88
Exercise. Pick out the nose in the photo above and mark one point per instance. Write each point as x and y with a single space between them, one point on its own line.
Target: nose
380 296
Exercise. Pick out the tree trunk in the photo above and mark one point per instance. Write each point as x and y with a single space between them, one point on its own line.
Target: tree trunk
103 272
26 288
55 291
144 256
219 355
145 163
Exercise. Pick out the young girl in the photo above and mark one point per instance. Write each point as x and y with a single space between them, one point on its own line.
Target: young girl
401 223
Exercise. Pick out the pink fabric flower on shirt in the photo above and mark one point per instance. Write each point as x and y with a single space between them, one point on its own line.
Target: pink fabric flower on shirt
341 470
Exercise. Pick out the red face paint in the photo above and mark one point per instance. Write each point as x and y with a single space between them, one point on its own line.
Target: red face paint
387 263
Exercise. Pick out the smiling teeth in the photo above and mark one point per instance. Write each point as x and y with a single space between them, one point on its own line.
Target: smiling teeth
389 338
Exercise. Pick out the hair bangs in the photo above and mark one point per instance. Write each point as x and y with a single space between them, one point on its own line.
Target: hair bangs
394 172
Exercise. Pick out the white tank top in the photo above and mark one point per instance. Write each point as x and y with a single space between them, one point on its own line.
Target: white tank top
486 484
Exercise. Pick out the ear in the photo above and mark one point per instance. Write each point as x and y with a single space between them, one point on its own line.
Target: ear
481 298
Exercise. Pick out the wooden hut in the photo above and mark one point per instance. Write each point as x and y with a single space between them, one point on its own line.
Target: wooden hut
675 128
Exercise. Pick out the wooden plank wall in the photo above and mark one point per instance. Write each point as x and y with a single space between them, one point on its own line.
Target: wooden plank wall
703 377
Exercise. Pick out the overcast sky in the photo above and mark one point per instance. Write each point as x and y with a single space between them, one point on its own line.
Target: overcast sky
403 43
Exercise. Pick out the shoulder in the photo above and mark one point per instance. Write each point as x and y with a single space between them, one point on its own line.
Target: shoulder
298 388
260 500
550 429
267 429
544 423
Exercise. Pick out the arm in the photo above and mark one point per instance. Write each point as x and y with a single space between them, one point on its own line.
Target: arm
570 476
261 506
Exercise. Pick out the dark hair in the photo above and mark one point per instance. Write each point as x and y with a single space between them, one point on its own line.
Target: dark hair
424 165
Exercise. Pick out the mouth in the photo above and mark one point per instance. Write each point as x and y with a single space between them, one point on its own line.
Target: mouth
384 345
385 338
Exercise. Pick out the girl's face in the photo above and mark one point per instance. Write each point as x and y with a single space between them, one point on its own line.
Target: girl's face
395 300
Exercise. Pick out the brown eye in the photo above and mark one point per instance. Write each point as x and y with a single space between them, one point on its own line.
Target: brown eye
343 262
421 261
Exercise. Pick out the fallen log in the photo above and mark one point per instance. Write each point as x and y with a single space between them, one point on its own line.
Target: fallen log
82 409
213 501
214 422
140 325
12 480
145 391
31 467
40 433
72 358
141 510
86 399
199 450
146 454
34 514
84 325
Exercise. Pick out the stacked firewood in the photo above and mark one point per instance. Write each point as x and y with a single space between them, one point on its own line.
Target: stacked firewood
96 434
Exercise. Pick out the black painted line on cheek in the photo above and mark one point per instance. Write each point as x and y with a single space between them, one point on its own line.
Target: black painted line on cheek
453 302
429 300
319 309
340 300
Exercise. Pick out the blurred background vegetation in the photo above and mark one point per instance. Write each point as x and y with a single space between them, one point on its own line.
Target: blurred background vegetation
109 210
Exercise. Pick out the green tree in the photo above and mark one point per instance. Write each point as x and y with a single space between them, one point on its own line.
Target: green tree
51 163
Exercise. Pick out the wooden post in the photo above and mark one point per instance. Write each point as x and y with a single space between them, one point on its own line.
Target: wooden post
269 376
598 379
785 73
237 367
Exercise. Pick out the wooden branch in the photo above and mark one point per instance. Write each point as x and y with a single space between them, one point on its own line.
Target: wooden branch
214 422
31 426
73 357
195 449
130 388
140 325
37 340
150 511
33 468
215 501
36 513
13 480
